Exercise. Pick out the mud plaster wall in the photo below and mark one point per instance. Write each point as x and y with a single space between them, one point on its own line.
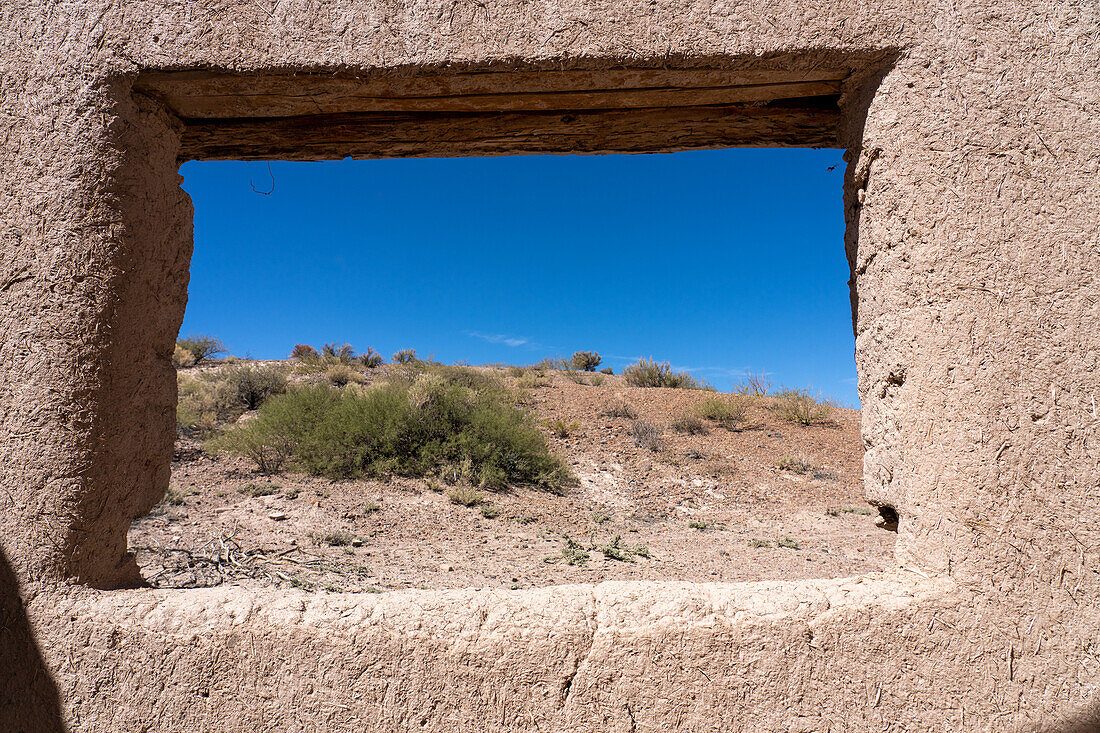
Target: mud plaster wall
974 237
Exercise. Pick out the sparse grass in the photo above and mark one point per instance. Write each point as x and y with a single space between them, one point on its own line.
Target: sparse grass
698 524
759 543
616 549
290 493
649 373
370 507
176 496
424 420
258 490
794 464
201 348
489 511
465 495
562 428
572 374
596 380
689 425
600 517
585 361
525 520
729 412
532 380
821 474
837 511
646 435
800 407
789 543
332 539
619 408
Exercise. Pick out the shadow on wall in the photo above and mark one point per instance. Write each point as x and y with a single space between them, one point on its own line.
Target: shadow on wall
29 702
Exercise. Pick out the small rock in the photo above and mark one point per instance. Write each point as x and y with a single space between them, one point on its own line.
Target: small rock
277 516
357 542
445 568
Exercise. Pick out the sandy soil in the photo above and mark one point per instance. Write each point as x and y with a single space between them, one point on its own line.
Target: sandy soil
711 507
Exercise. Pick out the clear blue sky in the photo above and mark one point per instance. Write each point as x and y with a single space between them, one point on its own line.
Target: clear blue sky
717 261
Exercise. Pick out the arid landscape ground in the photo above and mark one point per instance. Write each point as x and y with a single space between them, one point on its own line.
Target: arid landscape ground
771 499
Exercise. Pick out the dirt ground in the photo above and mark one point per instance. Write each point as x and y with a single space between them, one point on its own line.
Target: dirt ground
710 507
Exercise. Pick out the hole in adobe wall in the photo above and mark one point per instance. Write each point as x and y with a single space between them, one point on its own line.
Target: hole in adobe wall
504 263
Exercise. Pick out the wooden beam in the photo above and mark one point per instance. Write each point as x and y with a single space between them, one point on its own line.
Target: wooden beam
435 134
198 95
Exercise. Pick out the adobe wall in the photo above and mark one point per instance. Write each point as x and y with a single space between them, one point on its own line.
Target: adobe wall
974 238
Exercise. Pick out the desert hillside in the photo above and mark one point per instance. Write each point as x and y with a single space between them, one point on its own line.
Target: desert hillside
660 491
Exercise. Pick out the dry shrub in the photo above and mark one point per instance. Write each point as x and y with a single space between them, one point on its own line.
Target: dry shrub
800 407
689 425
728 412
646 435
465 495
648 373
341 375
182 358
619 408
304 352
405 356
794 464
201 347
754 384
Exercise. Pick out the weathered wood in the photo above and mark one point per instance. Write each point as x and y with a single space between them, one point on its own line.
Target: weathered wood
433 134
220 96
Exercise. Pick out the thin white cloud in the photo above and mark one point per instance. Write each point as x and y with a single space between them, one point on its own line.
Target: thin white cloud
499 338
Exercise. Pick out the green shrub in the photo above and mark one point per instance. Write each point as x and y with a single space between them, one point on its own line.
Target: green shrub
371 359
585 361
253 385
434 419
648 373
489 511
607 370
727 412
596 380
799 406
616 549
201 347
405 356
689 425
